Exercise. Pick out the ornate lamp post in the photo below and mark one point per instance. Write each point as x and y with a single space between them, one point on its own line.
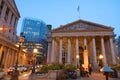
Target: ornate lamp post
34 59
15 74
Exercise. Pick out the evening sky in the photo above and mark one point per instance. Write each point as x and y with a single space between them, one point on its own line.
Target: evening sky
62 12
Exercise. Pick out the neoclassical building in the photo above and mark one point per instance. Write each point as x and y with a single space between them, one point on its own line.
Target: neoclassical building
9 16
82 42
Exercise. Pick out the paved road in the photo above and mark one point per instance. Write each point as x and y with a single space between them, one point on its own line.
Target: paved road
23 76
94 76
97 76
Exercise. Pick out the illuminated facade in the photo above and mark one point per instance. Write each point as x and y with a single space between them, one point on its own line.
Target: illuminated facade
9 17
81 43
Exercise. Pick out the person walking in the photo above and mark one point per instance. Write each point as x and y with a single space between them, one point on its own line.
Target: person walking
89 69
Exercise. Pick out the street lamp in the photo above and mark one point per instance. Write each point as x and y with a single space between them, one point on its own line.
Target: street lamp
34 61
100 59
77 57
15 74
78 65
101 56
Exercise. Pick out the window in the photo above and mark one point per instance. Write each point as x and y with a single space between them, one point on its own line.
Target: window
7 13
1 6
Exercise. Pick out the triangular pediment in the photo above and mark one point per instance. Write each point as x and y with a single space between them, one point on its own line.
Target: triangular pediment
82 25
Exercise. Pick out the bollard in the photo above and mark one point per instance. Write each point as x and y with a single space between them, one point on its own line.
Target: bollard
106 75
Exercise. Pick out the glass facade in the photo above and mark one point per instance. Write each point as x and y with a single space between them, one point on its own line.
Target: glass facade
33 30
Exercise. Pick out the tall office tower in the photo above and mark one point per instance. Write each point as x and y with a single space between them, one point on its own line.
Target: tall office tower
34 32
9 16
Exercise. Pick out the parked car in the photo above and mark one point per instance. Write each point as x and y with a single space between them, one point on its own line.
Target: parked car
24 68
2 73
10 70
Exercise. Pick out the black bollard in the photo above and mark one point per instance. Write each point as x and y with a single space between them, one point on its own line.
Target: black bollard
106 75
57 75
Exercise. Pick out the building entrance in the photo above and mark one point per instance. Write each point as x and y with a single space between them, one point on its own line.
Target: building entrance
81 57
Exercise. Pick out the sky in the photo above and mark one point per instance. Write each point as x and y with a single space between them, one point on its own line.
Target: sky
62 12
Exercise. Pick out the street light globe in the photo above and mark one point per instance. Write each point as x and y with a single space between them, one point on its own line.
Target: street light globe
101 56
77 56
17 45
35 50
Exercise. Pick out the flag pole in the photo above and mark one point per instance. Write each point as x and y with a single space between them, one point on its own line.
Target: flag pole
78 10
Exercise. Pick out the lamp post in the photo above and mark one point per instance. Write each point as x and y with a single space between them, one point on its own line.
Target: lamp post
100 59
34 59
78 65
77 57
15 73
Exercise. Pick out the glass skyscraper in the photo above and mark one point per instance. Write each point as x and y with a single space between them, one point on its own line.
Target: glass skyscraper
34 31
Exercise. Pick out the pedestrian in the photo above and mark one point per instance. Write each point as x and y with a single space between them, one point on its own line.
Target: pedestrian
86 72
89 69
82 71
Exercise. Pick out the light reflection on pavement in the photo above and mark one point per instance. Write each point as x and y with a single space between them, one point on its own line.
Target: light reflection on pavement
23 76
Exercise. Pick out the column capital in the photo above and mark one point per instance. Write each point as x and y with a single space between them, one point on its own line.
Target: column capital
111 36
93 36
60 37
85 36
102 36
77 37
68 37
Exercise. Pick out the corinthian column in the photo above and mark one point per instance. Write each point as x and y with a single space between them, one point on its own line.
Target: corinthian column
60 54
9 17
69 54
52 54
112 50
94 52
13 21
77 52
103 52
49 52
3 11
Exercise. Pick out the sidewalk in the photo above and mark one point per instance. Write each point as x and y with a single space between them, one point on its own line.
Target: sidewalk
97 76
93 76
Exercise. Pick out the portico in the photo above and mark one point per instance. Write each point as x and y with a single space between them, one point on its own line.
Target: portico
83 38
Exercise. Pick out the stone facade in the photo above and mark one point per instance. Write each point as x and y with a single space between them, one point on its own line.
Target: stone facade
81 43
9 17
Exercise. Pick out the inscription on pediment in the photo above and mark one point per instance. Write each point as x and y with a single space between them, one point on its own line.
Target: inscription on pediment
81 26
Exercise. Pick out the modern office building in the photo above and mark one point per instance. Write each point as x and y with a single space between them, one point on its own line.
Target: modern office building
35 31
